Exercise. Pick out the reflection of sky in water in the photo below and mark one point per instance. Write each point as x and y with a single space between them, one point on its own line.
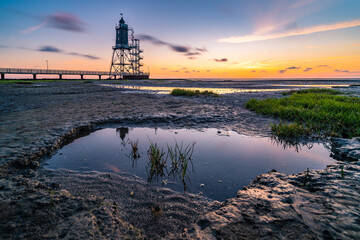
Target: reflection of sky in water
232 158
167 90
311 85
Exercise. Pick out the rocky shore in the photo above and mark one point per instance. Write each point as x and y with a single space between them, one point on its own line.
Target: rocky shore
36 203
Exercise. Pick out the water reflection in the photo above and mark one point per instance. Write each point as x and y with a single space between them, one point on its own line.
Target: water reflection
122 131
167 90
267 88
174 164
287 143
218 165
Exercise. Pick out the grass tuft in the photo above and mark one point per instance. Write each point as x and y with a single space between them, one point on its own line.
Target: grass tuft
135 149
180 158
186 92
312 90
322 112
157 161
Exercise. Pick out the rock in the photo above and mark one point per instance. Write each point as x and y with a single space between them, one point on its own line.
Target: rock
34 164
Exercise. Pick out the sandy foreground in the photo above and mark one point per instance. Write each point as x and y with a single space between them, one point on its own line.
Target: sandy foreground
37 203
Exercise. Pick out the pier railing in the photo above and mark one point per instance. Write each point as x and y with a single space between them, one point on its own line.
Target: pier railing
34 72
50 71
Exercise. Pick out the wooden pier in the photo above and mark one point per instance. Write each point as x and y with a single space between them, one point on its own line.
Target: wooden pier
36 72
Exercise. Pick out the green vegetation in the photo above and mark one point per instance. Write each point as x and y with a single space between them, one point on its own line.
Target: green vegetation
135 149
186 92
312 90
18 81
323 112
157 162
180 158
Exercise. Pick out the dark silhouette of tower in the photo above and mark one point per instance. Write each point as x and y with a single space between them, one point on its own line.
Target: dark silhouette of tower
126 58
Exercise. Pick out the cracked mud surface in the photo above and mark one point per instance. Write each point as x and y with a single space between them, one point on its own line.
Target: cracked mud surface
37 203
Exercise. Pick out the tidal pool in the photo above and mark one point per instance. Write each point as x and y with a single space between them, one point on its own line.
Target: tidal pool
222 162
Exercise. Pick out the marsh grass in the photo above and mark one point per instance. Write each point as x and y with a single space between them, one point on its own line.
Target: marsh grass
323 112
180 158
157 161
312 90
134 149
186 92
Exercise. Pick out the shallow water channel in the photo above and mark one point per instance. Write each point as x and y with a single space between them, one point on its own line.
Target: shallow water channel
221 163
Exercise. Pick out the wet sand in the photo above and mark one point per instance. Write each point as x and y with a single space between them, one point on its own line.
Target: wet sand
37 119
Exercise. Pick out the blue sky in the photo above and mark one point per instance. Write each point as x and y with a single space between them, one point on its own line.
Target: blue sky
258 38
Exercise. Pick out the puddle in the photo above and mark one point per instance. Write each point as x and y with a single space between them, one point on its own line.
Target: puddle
167 90
267 88
222 161
311 85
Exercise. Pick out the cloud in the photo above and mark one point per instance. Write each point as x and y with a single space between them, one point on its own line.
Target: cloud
49 49
307 69
301 3
355 45
57 50
34 28
89 56
291 32
289 68
59 20
65 21
346 71
163 68
220 60
323 66
188 51
3 46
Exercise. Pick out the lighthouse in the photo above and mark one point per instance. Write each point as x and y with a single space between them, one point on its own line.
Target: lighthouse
127 55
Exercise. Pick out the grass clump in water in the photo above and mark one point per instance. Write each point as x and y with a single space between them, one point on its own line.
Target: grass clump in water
187 92
157 161
312 111
312 90
135 149
180 158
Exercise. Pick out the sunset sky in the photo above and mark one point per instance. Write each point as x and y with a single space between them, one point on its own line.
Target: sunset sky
188 39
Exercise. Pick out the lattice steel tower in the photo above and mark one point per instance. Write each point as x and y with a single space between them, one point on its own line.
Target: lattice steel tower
126 58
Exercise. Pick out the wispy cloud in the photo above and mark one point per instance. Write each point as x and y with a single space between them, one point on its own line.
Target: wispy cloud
32 29
59 20
220 60
65 21
289 68
307 69
323 66
187 51
293 32
301 3
345 71
49 49
53 49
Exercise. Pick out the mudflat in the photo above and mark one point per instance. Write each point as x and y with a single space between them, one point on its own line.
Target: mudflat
37 119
